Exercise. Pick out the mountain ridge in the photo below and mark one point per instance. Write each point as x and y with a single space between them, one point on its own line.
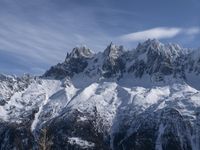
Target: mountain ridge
151 57
143 99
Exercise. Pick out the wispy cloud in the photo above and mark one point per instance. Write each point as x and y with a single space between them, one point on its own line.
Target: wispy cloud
43 40
192 31
159 33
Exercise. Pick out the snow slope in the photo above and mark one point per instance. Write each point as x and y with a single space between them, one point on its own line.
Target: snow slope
147 98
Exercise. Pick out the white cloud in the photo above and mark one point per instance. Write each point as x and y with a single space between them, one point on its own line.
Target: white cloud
192 31
159 33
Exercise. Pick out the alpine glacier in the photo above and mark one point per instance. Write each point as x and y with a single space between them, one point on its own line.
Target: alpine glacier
147 98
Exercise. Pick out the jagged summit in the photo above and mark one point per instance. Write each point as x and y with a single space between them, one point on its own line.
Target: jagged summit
163 49
151 58
113 51
80 52
154 43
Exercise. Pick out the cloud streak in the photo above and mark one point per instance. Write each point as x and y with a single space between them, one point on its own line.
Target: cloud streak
192 31
159 33
43 40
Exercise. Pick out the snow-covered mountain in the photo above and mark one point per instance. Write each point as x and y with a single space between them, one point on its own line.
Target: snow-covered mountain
143 99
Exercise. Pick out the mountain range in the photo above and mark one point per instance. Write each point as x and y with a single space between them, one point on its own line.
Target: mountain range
147 98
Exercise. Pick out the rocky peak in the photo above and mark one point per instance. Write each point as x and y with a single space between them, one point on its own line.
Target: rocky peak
175 47
75 62
4 77
113 61
156 48
153 57
113 51
80 52
154 44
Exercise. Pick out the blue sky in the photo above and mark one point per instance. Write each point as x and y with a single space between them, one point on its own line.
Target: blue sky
37 34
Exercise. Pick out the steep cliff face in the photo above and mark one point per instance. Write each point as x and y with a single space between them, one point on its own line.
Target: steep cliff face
144 99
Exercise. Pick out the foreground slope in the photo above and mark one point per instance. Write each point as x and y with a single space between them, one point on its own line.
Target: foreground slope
143 99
